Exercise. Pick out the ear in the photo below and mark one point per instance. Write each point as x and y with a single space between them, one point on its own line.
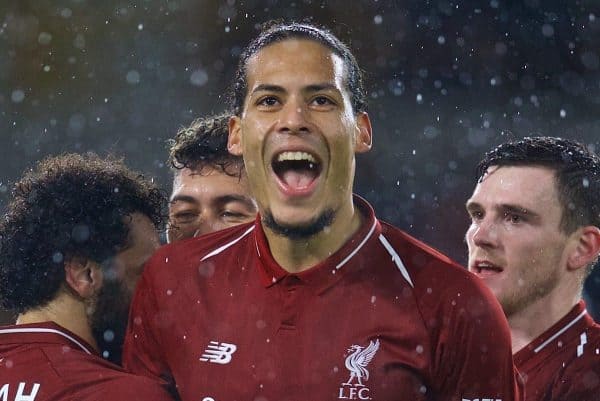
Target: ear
234 142
83 276
364 137
586 247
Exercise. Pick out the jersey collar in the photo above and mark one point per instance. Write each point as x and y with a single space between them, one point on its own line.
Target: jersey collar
44 332
326 273
573 322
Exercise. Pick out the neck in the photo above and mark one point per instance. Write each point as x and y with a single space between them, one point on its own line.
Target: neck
296 255
529 323
66 311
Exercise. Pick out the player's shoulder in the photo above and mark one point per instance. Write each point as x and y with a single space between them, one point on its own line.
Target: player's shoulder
421 259
178 255
437 279
88 375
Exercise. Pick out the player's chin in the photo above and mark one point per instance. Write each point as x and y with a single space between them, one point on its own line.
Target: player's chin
295 227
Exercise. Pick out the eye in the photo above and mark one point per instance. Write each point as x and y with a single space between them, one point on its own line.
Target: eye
184 217
476 214
230 215
268 101
513 218
322 101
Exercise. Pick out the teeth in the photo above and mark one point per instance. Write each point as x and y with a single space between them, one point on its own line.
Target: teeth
296 156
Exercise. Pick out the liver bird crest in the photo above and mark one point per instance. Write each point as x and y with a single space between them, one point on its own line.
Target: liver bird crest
358 360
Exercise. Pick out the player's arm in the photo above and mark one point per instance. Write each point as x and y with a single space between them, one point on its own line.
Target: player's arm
473 357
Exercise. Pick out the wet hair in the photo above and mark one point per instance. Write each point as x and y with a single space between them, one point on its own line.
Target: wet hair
273 32
68 206
203 144
577 174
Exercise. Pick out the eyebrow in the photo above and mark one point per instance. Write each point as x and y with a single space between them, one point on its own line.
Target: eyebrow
505 208
310 88
183 198
248 202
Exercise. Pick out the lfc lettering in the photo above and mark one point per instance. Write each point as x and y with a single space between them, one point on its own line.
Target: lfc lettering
354 393
24 392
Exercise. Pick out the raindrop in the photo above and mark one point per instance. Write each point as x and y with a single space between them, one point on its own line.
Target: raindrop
563 113
109 335
140 27
57 257
378 19
199 77
17 96
548 30
133 77
44 38
80 233
66 13
441 40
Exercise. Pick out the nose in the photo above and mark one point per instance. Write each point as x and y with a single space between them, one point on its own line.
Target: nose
207 224
293 117
484 233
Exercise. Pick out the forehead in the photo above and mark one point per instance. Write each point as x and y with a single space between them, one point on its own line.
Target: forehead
209 180
528 186
295 58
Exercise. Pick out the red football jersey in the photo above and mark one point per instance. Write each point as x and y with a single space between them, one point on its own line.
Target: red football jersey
383 318
45 362
563 364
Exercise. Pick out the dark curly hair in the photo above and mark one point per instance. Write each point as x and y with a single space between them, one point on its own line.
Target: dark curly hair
68 206
577 174
273 32
204 144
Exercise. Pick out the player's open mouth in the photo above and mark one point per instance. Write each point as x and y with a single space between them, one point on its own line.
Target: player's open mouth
483 267
297 171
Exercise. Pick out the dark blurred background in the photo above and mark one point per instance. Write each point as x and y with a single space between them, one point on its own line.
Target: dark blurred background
447 80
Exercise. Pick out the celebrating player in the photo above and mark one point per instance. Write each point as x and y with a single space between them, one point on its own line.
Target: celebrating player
210 187
534 236
317 299
72 246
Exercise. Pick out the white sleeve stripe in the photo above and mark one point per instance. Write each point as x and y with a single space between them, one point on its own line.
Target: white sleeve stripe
396 259
35 330
362 243
559 332
223 247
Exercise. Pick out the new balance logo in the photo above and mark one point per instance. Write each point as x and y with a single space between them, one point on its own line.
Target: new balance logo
482 399
217 352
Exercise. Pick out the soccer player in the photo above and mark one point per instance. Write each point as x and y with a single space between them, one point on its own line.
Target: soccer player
316 299
72 245
534 236
210 187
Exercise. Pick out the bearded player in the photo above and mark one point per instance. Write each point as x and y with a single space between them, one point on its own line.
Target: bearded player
317 299
533 239
73 243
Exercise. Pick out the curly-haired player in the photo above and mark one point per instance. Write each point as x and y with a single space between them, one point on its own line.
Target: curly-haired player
73 242
534 236
210 187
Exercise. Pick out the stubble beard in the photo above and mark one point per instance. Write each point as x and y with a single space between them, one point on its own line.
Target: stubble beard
299 232
109 318
518 300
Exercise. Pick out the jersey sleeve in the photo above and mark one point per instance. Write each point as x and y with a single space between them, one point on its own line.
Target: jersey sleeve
473 356
142 352
126 388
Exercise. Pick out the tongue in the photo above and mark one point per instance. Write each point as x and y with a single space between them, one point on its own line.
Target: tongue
298 178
